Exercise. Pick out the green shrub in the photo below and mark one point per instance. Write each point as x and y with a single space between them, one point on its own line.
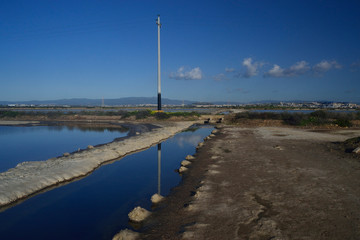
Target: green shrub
10 114
161 115
320 114
294 119
184 114
341 122
138 114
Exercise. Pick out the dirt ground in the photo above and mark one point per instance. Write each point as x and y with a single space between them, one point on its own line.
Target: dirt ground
265 183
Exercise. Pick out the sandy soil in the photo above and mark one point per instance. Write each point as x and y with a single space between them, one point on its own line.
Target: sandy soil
13 123
29 178
265 183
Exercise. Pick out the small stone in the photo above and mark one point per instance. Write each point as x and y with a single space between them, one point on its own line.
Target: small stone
215 131
277 147
66 154
139 214
189 157
200 145
357 150
156 198
185 163
126 234
182 169
188 235
90 147
212 135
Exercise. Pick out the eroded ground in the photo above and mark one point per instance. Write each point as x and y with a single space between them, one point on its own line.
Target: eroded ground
265 183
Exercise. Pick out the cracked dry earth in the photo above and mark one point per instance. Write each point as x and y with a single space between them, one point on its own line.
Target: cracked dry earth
259 183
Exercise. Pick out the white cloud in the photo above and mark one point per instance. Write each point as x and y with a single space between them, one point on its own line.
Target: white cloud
297 69
325 66
181 74
251 68
276 71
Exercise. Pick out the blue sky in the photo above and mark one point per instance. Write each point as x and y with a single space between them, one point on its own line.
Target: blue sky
210 50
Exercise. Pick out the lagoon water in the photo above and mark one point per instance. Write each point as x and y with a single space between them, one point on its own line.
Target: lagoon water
38 143
96 206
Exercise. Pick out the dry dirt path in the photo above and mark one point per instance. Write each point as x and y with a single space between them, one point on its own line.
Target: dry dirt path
265 183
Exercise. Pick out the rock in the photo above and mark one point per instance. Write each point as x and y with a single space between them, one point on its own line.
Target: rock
185 163
277 147
156 198
182 169
200 145
189 157
188 235
357 150
66 154
139 214
215 131
212 135
126 234
90 147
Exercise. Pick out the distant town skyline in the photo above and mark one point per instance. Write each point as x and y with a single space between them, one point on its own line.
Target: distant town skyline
236 50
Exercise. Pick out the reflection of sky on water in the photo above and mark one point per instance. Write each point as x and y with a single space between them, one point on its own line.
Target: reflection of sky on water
38 143
192 139
96 206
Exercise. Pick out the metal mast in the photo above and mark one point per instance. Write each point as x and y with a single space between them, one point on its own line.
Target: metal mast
159 73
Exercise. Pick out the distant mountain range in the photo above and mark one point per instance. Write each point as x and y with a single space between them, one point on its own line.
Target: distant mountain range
130 101
99 102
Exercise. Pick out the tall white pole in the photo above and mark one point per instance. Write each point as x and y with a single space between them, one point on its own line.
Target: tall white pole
159 73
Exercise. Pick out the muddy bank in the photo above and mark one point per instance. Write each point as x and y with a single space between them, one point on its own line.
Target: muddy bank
29 178
265 183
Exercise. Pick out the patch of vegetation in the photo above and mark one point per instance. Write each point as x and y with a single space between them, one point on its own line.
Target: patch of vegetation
161 115
10 114
342 122
184 114
316 118
141 114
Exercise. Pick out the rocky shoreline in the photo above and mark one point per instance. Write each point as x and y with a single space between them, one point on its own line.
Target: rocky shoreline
29 178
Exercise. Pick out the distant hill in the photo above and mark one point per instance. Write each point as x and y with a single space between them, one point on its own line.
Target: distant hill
98 102
137 101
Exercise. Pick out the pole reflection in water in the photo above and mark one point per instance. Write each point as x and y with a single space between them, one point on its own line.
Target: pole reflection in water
159 169
80 206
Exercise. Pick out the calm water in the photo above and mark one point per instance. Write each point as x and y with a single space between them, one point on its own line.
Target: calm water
37 143
96 207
